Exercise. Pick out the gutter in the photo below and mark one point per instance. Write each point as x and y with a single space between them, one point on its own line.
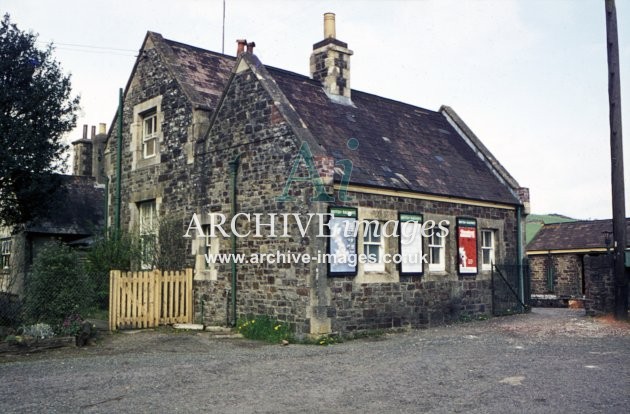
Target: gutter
118 162
519 257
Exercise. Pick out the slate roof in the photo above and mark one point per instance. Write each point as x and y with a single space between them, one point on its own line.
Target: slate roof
572 235
202 71
401 146
77 208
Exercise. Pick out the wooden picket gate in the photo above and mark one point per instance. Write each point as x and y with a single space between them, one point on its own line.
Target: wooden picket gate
149 298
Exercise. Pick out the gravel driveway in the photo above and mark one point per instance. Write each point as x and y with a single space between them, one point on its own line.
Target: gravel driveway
549 361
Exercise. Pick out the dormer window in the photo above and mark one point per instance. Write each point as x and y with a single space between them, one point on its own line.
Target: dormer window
149 134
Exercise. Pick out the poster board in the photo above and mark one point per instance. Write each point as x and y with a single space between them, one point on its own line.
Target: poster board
467 257
342 241
410 244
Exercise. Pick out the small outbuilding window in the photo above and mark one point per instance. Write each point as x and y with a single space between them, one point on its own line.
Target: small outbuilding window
6 253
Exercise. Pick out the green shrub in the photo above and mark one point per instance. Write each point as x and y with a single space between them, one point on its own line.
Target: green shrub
263 328
57 286
108 253
170 250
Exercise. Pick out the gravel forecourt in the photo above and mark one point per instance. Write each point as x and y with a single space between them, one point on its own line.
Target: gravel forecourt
548 361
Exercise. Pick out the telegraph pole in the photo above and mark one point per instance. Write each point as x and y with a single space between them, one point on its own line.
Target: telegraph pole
616 162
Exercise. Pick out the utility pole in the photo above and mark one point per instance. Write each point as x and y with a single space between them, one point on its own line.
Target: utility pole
616 162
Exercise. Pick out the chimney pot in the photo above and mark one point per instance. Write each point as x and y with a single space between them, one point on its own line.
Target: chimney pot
93 131
102 128
85 127
241 46
329 26
250 47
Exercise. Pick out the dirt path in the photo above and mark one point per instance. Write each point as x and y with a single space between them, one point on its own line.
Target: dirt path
545 362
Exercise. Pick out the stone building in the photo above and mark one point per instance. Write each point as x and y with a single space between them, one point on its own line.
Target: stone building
228 138
76 211
571 261
89 153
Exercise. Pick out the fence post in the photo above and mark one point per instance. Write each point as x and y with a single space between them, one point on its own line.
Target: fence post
189 289
157 308
114 279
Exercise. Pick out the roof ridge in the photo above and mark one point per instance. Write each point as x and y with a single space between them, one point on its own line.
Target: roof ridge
292 73
354 91
581 221
199 48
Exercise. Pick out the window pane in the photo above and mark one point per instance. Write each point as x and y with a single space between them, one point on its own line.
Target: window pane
149 148
486 238
150 126
486 256
373 250
435 255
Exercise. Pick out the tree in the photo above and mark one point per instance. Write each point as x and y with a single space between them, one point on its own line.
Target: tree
36 109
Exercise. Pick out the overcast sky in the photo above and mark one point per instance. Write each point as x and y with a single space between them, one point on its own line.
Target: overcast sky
529 77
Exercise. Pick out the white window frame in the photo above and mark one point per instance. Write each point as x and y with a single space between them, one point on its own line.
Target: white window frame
437 264
149 136
206 246
202 246
6 254
487 248
144 110
147 231
373 236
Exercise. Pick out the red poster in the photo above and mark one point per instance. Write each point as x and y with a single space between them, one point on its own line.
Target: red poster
467 246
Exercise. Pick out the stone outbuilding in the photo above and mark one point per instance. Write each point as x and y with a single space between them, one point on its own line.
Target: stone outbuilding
573 261
76 212
219 137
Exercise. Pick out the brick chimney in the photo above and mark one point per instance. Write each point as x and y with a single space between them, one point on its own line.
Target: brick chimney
330 62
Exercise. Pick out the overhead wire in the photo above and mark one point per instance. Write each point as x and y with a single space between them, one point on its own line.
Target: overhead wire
75 47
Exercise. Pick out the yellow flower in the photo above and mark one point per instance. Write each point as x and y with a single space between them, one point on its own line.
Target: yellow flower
276 327
253 321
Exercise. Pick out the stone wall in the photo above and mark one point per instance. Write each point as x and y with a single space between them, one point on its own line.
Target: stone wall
248 126
365 302
251 126
167 178
302 294
567 274
600 284
413 302
82 159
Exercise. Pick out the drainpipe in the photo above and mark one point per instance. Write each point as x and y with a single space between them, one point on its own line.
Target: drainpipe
549 272
118 161
106 230
519 256
233 191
